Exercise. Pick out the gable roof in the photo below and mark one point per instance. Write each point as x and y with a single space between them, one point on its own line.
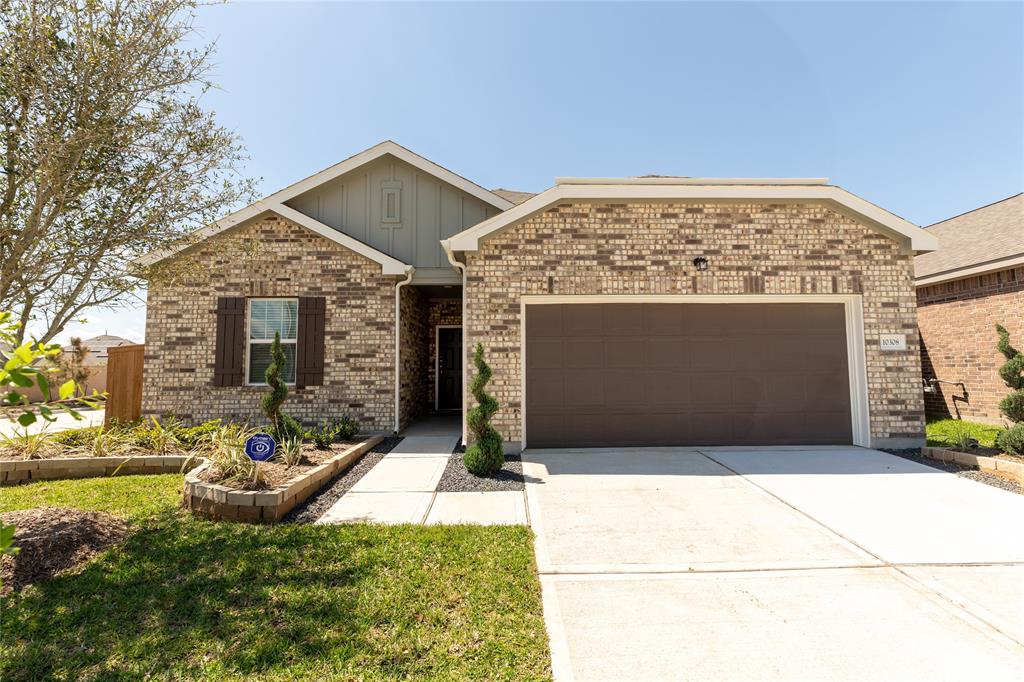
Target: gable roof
693 189
275 203
982 240
513 196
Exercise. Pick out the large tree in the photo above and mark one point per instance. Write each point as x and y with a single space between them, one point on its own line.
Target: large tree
105 150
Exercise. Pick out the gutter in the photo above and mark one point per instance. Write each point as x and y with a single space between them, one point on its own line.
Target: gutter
409 272
446 244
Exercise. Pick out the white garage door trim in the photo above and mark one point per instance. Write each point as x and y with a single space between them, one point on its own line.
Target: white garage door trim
859 415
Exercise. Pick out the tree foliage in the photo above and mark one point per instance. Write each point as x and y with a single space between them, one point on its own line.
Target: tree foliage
1012 373
105 151
485 456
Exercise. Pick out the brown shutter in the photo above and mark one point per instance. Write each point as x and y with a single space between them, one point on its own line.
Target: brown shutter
309 356
229 359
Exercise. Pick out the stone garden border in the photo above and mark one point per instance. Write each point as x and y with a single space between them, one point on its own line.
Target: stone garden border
1015 469
15 471
219 502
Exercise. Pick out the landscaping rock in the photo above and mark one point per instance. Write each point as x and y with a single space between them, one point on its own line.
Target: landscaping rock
317 504
457 479
54 539
971 472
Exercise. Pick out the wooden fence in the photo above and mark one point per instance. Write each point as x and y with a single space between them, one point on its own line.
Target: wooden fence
124 383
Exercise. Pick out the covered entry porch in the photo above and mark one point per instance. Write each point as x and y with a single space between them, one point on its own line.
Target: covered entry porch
430 351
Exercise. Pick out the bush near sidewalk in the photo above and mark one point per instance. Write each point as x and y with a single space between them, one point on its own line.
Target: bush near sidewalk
486 455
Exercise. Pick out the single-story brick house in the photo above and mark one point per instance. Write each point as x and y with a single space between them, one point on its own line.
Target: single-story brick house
622 311
975 282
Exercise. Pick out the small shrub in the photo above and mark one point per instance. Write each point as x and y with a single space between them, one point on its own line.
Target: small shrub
962 438
324 434
348 427
192 437
485 456
226 449
284 426
157 438
76 438
290 451
27 445
1011 440
105 443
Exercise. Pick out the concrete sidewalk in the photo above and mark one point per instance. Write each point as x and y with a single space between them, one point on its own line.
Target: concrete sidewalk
401 487
63 422
773 564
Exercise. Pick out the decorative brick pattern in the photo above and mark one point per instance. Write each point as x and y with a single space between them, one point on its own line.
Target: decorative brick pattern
648 248
442 311
957 321
415 360
272 257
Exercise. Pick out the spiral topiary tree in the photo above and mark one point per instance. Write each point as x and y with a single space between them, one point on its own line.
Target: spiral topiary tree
1012 373
485 456
284 426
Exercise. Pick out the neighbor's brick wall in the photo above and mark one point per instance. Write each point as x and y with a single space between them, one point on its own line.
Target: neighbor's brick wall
442 312
646 248
957 321
415 359
272 257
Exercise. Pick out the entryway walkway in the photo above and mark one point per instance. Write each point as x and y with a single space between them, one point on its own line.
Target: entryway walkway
401 487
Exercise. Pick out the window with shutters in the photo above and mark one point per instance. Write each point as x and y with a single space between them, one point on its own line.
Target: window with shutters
267 316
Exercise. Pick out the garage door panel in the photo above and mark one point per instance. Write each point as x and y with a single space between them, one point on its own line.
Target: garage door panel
545 353
700 374
584 353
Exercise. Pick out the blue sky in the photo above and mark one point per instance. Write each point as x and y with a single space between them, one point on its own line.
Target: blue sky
918 107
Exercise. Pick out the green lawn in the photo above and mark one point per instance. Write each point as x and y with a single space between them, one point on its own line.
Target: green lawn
946 432
191 599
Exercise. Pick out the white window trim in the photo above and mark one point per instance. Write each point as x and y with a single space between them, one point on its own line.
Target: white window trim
860 415
249 341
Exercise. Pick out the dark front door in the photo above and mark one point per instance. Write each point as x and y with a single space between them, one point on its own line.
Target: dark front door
449 368
686 374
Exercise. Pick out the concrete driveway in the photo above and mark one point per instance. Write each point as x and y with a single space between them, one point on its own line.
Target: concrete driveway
830 563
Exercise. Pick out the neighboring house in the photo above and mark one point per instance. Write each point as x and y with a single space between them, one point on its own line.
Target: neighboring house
975 282
623 311
98 347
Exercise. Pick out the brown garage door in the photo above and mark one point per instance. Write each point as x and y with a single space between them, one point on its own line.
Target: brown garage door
686 373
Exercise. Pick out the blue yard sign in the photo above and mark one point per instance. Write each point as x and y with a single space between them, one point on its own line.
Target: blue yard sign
260 447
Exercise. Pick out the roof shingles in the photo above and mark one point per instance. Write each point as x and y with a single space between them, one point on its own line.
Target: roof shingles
990 233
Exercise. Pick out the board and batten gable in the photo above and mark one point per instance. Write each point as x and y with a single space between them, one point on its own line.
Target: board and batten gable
395 208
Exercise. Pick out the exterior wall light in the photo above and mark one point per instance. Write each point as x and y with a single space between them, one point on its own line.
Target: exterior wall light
701 263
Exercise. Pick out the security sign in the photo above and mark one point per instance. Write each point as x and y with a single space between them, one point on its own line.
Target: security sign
260 447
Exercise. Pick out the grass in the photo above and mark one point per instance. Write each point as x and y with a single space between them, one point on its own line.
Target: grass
190 599
947 432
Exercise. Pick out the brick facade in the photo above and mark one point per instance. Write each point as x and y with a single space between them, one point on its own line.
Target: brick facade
272 257
648 248
958 341
415 358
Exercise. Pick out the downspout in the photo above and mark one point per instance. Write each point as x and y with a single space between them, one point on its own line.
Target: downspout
461 267
409 272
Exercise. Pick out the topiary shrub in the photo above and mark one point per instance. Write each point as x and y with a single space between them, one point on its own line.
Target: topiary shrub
1012 374
485 456
283 425
1011 440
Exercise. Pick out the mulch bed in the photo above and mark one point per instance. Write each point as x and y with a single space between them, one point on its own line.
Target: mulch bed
993 479
278 473
53 539
317 504
457 479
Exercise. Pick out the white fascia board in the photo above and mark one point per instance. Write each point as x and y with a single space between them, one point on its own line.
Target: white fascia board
227 222
690 181
400 152
971 271
920 240
389 265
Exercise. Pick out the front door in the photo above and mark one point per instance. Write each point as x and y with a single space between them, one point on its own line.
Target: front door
449 368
